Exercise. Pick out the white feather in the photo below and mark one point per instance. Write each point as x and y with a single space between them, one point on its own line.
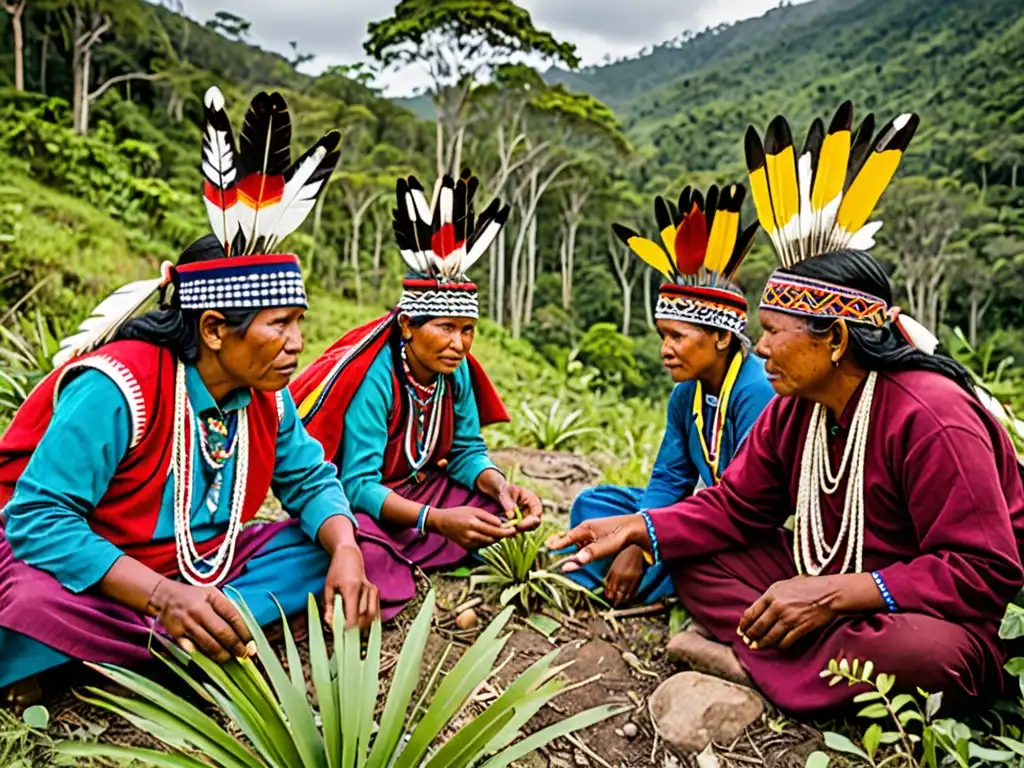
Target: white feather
806 225
108 317
297 199
917 334
434 196
481 244
213 98
864 238
447 202
422 210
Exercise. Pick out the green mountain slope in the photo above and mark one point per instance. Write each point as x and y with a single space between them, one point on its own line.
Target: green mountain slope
956 62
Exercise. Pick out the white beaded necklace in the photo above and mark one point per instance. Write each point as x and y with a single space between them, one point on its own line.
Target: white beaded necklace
816 477
219 565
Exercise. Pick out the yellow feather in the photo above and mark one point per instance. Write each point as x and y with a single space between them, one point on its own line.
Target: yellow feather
784 187
831 173
722 240
762 199
865 190
668 236
651 252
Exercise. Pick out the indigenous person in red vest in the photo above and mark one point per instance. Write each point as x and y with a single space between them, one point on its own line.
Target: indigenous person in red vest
906 492
399 403
128 474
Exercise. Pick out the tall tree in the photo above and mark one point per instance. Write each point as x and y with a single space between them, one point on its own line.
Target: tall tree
16 10
459 41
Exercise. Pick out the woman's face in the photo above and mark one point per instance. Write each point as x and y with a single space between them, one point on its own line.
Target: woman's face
264 357
796 361
440 344
688 350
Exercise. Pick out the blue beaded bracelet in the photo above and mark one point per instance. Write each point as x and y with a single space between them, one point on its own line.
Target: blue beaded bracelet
652 536
886 595
421 522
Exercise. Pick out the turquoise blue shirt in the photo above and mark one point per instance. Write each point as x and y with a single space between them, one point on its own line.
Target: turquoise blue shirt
366 435
680 463
78 455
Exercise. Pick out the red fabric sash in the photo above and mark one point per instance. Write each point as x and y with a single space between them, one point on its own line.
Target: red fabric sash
341 369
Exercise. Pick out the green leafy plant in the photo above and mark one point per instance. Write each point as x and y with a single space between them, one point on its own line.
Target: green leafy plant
25 358
520 568
281 729
25 743
907 724
554 428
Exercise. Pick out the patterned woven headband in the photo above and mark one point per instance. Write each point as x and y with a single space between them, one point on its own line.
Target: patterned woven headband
816 298
241 282
431 298
702 305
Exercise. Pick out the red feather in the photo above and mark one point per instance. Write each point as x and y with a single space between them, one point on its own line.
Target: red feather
691 242
443 240
222 198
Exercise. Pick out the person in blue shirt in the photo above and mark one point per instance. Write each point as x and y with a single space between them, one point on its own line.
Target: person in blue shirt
131 477
720 387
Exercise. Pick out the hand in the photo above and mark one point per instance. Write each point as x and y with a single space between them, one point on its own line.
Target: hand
511 496
203 616
624 576
601 538
789 610
469 527
346 576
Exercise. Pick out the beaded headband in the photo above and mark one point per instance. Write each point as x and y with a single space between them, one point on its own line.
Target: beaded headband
429 298
241 282
804 296
702 305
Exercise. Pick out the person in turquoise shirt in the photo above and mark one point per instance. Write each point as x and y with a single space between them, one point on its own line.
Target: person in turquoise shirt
399 403
720 390
132 475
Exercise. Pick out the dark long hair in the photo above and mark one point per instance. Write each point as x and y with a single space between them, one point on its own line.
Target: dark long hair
178 329
873 348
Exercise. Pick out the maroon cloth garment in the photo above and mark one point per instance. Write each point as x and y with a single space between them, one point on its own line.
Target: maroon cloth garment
392 555
944 521
88 625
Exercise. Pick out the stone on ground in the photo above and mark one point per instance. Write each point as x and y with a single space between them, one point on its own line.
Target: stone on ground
691 710
702 654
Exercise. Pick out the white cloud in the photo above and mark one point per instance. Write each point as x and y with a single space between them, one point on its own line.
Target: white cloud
334 30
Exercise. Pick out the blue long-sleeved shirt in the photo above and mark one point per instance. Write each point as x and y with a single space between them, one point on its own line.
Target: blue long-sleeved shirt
680 462
89 434
366 435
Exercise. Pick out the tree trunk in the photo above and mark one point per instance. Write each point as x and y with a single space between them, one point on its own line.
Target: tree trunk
83 111
499 294
357 222
44 55
378 245
568 263
648 301
16 10
972 323
1013 175
532 270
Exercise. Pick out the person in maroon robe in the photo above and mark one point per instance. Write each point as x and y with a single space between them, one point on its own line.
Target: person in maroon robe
906 492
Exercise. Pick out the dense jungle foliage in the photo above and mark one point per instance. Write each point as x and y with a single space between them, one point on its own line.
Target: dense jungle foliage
100 105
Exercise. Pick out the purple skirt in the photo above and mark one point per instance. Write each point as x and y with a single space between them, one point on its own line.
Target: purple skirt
91 627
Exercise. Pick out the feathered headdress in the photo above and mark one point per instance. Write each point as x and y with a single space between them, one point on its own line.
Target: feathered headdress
704 247
819 201
440 242
255 197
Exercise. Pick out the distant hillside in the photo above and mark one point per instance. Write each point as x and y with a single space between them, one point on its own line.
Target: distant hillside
960 63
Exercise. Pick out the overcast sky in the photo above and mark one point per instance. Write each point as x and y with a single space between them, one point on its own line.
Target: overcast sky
334 29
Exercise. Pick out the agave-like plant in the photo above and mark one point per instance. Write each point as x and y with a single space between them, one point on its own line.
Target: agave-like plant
554 428
282 730
518 567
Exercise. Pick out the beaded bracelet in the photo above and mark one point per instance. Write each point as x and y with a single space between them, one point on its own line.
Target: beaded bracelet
421 522
886 595
655 556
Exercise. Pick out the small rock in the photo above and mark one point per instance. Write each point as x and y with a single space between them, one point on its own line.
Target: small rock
467 619
691 710
620 733
630 730
579 758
